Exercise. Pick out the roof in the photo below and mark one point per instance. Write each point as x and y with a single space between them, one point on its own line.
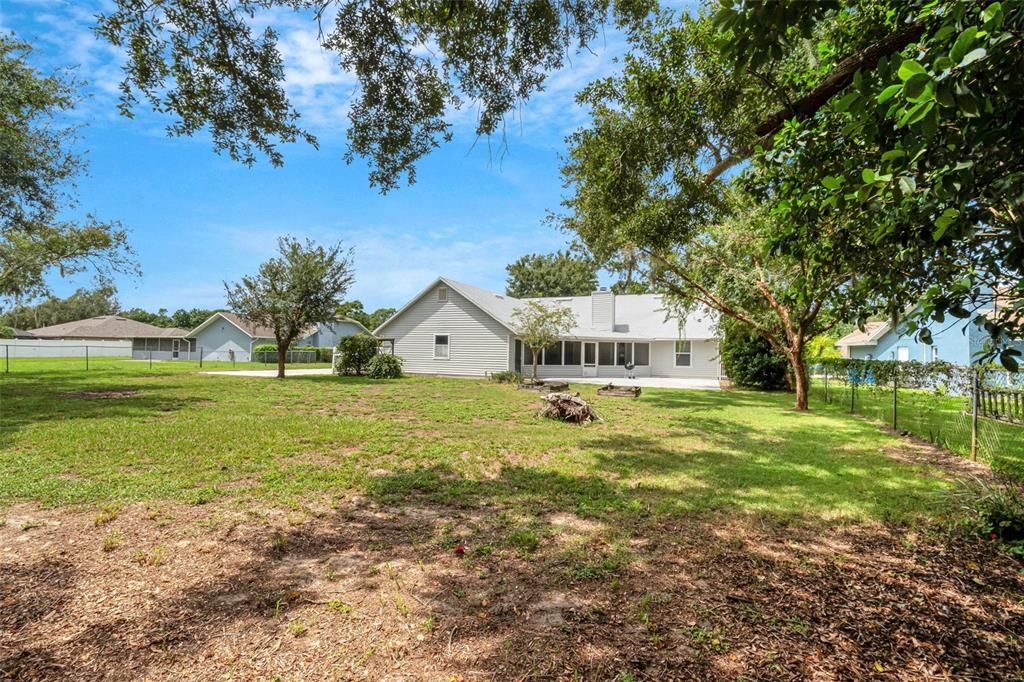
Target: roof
251 329
867 337
106 327
22 334
637 316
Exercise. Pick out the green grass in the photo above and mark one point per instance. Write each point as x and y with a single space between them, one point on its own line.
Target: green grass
940 419
197 438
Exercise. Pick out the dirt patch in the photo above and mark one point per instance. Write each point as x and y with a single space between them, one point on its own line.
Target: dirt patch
101 395
922 453
371 592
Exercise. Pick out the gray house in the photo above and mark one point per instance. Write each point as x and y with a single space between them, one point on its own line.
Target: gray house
458 329
148 341
226 336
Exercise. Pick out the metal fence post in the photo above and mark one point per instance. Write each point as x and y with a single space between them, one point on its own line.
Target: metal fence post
853 389
200 357
826 384
7 359
87 358
974 414
151 359
895 389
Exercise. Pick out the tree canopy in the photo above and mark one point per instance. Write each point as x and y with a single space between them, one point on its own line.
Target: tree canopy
210 67
354 310
37 175
82 304
301 287
556 274
539 325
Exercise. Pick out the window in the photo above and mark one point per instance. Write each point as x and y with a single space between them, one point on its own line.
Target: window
528 356
606 353
572 353
553 354
641 354
683 353
623 353
441 346
138 344
442 294
902 353
590 354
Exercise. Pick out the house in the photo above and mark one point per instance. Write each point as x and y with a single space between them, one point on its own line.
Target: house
956 341
227 336
458 329
160 343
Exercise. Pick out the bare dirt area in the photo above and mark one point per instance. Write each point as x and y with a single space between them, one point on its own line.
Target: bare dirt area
361 591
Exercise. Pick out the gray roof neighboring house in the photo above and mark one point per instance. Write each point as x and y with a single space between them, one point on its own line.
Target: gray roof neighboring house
106 327
251 329
867 337
636 316
22 334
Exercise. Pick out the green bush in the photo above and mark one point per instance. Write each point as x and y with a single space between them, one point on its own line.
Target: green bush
356 353
996 512
507 377
749 360
6 332
384 366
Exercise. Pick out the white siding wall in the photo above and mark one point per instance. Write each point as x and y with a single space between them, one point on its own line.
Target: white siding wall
477 344
63 348
703 362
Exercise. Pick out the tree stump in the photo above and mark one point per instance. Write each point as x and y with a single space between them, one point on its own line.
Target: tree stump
620 391
568 407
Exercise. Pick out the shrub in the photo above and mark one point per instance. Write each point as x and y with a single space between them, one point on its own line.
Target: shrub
6 332
385 366
749 360
996 511
356 352
507 377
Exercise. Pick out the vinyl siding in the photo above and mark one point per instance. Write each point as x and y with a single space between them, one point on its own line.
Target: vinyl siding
221 337
477 343
704 362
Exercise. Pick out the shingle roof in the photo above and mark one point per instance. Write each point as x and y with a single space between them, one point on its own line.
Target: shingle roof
106 327
254 330
863 338
642 316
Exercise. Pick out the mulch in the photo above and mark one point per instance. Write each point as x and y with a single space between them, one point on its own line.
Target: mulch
366 592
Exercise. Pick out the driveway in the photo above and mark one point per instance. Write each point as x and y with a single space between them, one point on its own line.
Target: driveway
648 382
272 372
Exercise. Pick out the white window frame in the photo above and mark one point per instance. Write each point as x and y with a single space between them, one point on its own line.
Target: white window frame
902 353
447 347
680 354
442 296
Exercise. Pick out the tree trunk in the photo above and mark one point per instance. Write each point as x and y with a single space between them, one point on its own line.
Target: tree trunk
534 365
801 380
282 353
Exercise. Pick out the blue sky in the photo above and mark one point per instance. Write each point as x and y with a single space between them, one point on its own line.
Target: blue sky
197 219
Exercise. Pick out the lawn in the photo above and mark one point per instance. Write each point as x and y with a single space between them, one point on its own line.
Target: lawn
165 523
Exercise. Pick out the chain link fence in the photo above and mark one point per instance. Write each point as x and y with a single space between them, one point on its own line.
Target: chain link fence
974 411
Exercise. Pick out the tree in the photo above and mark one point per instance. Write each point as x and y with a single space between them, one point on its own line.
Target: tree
37 179
539 325
301 287
190 319
416 63
158 319
356 353
353 310
81 305
555 274
637 174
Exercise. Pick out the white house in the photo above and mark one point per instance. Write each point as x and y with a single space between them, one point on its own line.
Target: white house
458 329
226 336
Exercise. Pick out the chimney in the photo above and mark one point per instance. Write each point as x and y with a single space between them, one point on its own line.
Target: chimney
602 309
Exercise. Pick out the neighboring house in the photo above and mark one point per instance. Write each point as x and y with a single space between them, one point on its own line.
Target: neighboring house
956 341
160 343
227 336
458 329
22 334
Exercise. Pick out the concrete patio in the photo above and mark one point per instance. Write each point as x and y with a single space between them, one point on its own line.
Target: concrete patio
648 382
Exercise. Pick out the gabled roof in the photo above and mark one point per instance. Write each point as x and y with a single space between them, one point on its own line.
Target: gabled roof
106 327
642 316
872 332
250 329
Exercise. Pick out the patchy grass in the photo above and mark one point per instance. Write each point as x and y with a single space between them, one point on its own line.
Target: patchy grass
241 528
195 438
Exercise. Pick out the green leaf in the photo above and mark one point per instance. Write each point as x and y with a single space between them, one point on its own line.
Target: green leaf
867 175
918 87
831 182
992 16
963 43
971 57
844 102
909 67
944 96
893 154
907 185
943 222
969 105
886 95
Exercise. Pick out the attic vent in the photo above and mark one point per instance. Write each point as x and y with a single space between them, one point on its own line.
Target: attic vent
442 293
